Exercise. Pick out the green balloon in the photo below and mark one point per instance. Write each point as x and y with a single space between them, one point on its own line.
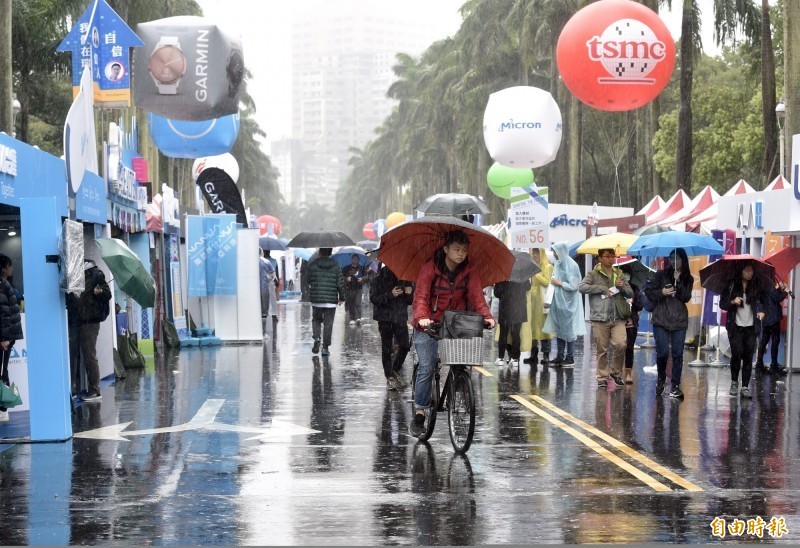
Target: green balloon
501 178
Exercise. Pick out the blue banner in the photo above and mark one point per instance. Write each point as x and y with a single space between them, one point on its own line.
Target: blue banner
90 201
27 172
211 255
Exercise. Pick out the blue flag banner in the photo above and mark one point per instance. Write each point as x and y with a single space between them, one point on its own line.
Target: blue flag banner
101 40
186 139
211 255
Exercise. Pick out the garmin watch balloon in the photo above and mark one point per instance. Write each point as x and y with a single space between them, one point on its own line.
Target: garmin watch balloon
167 65
234 69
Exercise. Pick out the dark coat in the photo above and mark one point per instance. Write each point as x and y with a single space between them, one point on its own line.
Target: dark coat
93 307
357 275
513 301
773 311
755 297
387 307
636 306
670 312
325 281
10 320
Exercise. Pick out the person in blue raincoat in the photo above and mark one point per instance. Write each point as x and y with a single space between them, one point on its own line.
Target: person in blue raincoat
565 319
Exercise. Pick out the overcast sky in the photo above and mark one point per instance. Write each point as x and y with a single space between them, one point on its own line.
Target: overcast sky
266 36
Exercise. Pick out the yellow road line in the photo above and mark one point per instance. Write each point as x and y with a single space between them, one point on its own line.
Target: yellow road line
686 484
482 371
648 480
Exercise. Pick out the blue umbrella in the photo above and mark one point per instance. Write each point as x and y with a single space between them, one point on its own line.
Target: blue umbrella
573 249
664 243
271 244
303 253
344 255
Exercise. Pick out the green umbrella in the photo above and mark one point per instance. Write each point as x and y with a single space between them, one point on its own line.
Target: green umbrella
128 271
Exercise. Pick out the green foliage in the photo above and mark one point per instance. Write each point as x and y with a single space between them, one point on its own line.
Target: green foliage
728 133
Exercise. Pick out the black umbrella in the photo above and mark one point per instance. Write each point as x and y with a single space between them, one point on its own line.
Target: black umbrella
325 238
452 204
524 267
271 244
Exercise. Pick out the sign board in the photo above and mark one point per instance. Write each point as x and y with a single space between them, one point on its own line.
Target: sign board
529 218
619 224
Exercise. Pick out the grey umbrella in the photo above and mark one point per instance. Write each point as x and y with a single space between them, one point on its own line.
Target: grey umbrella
524 267
452 204
268 243
325 238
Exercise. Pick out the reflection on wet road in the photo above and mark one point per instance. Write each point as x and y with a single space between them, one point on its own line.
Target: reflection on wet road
273 445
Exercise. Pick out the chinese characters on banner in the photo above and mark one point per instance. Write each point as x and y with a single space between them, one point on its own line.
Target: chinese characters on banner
100 41
529 218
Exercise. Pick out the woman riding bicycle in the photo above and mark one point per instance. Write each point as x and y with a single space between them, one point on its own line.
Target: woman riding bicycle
444 283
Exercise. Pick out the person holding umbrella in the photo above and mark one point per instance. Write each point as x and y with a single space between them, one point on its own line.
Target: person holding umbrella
632 325
771 328
326 288
670 290
390 298
446 282
511 315
743 302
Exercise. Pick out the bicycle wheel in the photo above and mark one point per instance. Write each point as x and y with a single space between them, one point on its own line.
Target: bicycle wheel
430 413
461 411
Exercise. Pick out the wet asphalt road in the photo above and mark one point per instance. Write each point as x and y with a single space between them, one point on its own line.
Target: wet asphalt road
270 445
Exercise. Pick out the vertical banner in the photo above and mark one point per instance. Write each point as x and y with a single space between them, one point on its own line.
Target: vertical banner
529 216
211 255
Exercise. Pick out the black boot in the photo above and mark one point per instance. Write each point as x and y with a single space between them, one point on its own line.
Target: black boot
534 358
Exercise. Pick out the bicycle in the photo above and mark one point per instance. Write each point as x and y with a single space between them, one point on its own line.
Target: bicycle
457 396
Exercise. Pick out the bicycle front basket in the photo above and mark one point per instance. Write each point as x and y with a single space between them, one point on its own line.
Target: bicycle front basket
461 351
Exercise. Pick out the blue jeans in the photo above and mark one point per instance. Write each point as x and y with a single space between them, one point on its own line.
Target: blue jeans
427 354
665 339
560 344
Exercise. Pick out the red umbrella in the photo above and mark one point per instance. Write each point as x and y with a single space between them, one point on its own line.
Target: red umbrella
406 247
784 260
718 275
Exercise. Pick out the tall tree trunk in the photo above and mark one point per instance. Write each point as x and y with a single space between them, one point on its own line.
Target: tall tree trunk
791 57
769 167
574 149
653 115
632 179
683 150
6 82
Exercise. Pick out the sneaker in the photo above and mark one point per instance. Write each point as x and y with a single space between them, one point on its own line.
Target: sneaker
759 367
315 348
569 363
628 377
602 384
398 379
325 351
4 416
391 383
659 387
734 388
533 360
779 371
746 393
513 363
499 361
676 393
617 380
92 396
417 427
558 361
352 322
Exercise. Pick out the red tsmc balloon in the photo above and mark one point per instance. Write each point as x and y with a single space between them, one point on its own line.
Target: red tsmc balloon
615 55
263 224
369 231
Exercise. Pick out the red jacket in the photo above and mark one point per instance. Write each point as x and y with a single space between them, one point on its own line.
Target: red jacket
434 293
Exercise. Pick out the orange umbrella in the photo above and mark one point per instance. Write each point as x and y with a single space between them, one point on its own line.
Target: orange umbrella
406 247
784 260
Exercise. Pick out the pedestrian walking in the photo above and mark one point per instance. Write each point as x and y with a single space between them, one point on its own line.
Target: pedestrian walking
605 284
267 281
446 282
743 301
512 313
94 308
390 298
631 329
670 290
353 287
771 329
10 323
326 292
539 284
565 318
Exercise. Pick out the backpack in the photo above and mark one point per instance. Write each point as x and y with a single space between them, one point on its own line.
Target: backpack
647 304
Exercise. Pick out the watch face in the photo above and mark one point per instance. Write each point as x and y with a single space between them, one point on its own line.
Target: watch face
167 64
